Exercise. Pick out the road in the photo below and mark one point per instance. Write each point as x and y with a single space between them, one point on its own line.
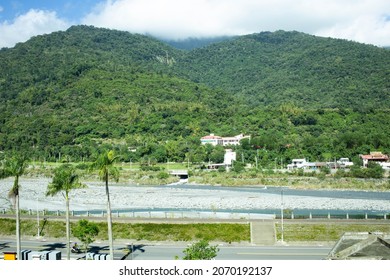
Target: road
170 251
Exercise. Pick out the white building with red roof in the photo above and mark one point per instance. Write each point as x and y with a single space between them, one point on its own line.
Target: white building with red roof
377 157
224 141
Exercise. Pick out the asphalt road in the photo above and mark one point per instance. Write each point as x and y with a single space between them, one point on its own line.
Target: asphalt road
170 251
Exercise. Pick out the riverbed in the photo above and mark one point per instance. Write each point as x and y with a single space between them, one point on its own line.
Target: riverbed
187 197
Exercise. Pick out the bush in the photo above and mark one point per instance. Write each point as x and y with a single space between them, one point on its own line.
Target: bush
163 175
373 170
200 250
222 169
238 166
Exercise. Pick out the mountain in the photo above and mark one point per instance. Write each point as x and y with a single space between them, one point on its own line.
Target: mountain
270 69
78 91
67 88
196 43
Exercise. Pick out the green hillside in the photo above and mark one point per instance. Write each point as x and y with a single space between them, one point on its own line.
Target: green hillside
76 92
269 69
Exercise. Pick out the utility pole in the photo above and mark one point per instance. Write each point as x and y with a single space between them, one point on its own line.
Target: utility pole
281 215
38 231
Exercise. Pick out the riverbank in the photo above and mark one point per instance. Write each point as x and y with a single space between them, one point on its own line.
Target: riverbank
126 195
133 174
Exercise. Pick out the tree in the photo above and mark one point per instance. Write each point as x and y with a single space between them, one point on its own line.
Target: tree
105 165
86 232
200 250
15 166
64 180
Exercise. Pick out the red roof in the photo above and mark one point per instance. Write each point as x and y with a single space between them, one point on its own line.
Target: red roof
373 156
211 137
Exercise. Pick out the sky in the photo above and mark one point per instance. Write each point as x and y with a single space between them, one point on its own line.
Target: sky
364 21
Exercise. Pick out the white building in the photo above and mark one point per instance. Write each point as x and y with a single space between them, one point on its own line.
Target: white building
298 163
224 141
344 163
229 157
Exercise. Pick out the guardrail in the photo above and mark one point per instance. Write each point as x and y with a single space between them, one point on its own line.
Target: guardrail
205 214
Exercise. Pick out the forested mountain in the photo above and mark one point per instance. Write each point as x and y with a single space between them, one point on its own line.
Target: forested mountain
82 90
196 43
275 68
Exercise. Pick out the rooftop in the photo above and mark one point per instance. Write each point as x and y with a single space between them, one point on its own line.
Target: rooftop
362 245
375 155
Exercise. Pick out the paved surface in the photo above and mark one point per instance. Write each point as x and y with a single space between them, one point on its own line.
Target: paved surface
168 250
263 233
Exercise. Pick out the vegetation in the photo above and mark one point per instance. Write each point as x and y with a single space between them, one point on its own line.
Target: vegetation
277 68
65 179
105 165
15 166
224 232
86 231
73 95
221 232
200 250
323 232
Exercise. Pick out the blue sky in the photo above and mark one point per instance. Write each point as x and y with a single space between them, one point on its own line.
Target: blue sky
71 10
365 21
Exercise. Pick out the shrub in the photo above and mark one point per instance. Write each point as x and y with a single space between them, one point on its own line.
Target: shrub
162 175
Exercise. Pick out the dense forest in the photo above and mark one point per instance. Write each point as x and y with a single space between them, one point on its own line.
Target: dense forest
74 93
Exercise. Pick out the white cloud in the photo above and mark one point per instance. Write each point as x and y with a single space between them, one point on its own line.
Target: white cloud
366 29
366 21
34 22
361 20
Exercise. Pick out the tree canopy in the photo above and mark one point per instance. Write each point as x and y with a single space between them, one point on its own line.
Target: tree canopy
74 94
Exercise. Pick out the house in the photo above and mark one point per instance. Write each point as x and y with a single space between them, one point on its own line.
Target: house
344 163
298 163
224 141
376 157
301 163
211 139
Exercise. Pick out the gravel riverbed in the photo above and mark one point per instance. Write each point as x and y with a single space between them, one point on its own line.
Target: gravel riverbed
126 196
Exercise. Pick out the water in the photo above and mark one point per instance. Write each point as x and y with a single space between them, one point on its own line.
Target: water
339 194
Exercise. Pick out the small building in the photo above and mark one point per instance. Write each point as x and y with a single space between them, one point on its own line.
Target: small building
344 163
297 163
301 163
376 157
224 141
228 159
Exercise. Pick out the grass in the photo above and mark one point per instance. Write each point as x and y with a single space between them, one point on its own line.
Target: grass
139 231
222 232
324 232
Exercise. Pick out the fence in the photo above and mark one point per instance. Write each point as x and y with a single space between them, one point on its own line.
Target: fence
200 214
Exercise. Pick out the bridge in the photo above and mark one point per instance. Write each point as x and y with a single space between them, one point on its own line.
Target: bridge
183 174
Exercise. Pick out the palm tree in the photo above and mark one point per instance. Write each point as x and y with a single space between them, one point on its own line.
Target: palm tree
15 166
105 165
64 180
